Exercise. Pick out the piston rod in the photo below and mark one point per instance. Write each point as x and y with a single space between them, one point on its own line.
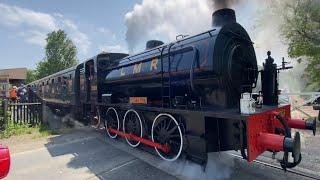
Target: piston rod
165 148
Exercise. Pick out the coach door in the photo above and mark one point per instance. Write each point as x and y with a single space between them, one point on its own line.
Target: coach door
89 79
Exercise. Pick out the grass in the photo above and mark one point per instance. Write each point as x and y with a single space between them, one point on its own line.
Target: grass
21 129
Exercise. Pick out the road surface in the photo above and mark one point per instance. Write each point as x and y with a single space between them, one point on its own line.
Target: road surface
86 153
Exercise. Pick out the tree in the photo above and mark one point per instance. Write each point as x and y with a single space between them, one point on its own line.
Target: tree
301 28
60 54
31 76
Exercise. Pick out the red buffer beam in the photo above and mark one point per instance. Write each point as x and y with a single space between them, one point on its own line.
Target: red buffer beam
165 148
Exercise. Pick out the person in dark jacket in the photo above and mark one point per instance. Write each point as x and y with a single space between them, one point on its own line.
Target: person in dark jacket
22 92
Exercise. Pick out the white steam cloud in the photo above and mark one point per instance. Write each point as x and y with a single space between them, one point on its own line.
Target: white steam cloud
219 4
165 19
220 166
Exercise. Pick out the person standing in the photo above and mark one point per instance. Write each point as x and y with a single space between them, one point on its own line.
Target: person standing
13 93
22 93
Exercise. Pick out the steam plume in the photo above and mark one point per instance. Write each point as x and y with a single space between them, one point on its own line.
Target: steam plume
219 4
164 20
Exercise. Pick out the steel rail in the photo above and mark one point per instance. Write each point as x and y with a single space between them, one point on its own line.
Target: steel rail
278 167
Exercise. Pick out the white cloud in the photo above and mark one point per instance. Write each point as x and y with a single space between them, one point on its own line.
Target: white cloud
16 16
79 38
34 37
107 32
158 19
113 48
34 26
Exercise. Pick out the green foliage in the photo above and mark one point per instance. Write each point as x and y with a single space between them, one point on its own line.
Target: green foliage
15 129
60 54
21 129
301 28
31 76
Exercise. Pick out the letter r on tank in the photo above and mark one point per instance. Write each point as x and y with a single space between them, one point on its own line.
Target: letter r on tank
154 64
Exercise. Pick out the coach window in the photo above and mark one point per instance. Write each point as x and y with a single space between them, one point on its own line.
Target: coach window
52 81
42 83
59 79
70 76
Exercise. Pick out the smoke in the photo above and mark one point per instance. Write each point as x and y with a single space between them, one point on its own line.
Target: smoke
219 166
219 4
291 80
164 20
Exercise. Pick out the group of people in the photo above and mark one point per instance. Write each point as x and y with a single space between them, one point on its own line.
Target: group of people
19 94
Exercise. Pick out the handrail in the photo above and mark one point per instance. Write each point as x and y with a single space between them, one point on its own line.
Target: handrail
195 59
161 56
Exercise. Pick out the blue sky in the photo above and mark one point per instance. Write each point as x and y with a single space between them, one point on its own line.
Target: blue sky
92 25
101 25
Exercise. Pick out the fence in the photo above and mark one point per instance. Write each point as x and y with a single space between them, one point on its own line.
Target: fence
25 113
301 103
28 113
3 118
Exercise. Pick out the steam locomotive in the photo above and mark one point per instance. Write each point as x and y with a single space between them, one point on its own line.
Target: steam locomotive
191 97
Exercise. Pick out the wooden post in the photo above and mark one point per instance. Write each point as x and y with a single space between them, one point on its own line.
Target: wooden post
5 113
43 113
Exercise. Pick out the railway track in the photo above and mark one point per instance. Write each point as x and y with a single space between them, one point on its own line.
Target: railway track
299 173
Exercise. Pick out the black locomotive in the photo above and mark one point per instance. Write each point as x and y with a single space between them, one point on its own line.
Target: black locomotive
182 97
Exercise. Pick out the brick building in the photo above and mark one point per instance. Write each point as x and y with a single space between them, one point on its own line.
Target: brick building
11 77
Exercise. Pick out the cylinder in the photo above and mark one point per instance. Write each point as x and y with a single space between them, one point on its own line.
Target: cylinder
153 43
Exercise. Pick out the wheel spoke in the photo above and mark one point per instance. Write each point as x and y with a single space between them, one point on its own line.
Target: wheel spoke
157 128
174 136
172 129
168 126
162 124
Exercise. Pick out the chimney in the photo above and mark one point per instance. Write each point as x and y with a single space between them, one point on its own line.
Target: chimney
153 43
222 17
